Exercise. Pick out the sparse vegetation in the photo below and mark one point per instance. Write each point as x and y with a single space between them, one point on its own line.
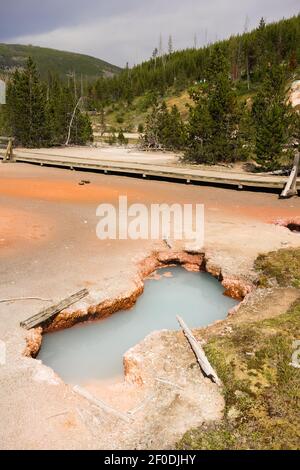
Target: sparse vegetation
164 129
261 388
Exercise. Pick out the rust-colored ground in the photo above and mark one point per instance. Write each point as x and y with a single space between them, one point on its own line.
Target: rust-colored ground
19 226
32 199
49 249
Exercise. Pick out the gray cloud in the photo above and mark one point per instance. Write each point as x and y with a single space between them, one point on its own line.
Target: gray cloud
24 17
128 30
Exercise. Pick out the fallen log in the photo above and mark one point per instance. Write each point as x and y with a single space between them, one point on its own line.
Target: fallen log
199 353
50 312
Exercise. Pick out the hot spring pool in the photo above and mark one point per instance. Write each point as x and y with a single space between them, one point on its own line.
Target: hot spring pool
94 350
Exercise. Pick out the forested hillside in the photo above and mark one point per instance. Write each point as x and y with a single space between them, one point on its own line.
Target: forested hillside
247 55
14 56
226 102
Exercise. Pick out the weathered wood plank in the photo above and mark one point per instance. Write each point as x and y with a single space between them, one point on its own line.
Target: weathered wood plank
199 353
50 312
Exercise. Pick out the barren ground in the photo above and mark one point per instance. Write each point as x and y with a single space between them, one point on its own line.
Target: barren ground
49 249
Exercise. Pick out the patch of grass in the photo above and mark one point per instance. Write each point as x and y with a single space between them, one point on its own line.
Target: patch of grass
282 265
261 388
182 102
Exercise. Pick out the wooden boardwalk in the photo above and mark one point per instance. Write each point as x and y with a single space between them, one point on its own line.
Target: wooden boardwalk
167 172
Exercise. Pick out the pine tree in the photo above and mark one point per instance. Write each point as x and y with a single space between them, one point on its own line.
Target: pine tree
213 123
82 131
273 119
262 24
39 115
26 99
172 132
56 109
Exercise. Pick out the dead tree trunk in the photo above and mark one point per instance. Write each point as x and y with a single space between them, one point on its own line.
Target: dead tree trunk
72 119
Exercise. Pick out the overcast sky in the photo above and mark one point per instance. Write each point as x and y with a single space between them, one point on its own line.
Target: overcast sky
121 31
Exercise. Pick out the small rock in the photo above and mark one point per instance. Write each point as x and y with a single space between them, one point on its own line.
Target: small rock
240 394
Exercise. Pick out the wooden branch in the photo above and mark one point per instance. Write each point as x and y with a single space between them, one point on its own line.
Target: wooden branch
141 405
199 353
100 404
167 382
20 299
168 243
50 312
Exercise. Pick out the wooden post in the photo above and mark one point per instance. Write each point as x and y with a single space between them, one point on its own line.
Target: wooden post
199 353
291 186
8 156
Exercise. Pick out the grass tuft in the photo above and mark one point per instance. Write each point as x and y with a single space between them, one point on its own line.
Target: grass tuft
282 265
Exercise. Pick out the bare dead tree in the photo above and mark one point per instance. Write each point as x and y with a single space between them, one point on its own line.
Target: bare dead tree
71 121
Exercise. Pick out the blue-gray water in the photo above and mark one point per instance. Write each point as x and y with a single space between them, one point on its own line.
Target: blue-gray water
95 350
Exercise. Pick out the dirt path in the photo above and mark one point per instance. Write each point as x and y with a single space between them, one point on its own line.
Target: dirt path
48 248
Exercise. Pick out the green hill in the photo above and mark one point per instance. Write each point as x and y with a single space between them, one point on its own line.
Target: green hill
13 56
